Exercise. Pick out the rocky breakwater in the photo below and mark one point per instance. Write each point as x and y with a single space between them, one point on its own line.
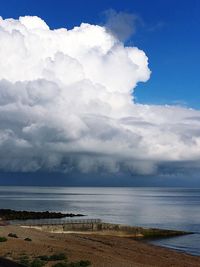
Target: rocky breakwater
9 215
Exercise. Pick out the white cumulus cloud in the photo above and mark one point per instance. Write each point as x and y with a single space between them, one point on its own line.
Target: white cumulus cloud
66 104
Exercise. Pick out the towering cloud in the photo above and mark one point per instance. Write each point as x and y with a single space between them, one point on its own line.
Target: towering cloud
66 103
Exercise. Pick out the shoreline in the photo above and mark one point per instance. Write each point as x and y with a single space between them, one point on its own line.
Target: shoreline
52 222
101 250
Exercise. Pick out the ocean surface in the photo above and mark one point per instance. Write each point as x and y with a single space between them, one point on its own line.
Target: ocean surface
170 208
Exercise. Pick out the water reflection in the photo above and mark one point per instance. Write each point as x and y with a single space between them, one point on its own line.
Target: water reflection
172 208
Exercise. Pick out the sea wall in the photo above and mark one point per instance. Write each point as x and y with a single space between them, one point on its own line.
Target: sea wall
111 229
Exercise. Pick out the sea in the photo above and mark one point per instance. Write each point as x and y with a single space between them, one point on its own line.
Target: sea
167 208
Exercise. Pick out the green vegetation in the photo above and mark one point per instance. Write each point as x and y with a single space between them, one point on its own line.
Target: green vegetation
85 263
73 264
44 258
12 235
57 257
157 233
61 264
3 239
54 257
37 263
40 261
24 260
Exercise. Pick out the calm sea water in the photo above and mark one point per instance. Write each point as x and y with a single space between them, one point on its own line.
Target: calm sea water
171 208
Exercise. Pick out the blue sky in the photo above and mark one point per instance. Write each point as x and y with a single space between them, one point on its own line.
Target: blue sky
169 34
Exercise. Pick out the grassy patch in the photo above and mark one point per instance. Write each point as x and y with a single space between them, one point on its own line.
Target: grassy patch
3 239
37 263
25 260
57 257
54 257
40 261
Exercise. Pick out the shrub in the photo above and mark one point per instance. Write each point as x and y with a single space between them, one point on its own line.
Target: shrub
57 257
61 264
84 263
73 264
54 257
37 263
24 260
28 239
44 258
3 239
12 235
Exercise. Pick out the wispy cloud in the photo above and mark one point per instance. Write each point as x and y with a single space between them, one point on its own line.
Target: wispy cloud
121 24
156 27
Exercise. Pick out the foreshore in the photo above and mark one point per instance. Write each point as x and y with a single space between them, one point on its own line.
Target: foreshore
101 250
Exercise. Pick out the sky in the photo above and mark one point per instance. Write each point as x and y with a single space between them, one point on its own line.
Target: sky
109 98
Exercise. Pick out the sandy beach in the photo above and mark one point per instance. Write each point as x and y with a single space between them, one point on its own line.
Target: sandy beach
102 251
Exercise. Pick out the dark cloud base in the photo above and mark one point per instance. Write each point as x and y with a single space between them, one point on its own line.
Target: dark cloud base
87 180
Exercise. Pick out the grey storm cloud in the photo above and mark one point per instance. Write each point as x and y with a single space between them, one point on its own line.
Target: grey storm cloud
66 103
121 24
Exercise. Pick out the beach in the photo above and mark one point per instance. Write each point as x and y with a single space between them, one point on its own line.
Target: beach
101 250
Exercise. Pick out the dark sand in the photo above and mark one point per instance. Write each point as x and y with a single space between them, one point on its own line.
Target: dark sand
102 251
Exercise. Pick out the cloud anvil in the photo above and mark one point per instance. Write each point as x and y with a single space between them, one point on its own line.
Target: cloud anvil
66 103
